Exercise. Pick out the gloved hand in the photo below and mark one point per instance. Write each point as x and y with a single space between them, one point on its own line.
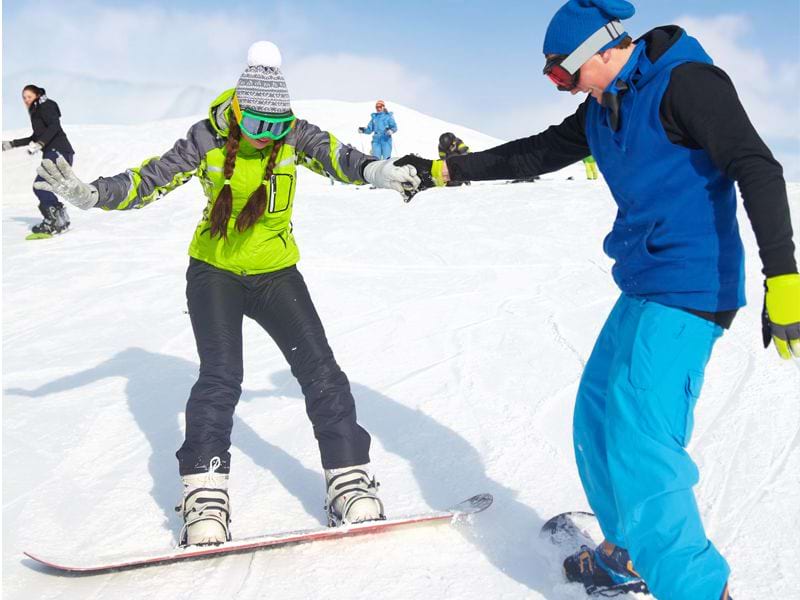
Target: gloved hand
385 174
781 316
362 130
388 132
34 147
7 145
59 179
429 171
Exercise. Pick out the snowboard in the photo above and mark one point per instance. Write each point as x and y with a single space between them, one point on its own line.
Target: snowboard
568 532
44 236
90 565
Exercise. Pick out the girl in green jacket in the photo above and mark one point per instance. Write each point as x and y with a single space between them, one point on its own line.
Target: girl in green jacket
243 258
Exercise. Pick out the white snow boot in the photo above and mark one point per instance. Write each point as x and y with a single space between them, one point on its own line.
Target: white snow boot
352 496
205 508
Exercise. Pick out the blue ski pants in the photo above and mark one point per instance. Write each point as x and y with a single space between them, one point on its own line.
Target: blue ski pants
382 147
633 419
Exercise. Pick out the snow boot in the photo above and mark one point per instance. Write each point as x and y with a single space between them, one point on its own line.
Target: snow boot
352 496
604 573
55 221
205 508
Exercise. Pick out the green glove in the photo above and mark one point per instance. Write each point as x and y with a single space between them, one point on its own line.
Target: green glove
781 318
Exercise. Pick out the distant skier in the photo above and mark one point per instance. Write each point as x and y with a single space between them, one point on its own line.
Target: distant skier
243 257
382 126
450 145
590 164
48 138
670 137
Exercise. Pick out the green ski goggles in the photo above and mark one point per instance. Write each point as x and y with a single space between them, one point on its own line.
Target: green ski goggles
259 126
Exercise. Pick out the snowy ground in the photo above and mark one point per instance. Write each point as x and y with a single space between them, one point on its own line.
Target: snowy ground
463 321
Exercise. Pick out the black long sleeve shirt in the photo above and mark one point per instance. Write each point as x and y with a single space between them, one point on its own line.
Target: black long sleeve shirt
699 109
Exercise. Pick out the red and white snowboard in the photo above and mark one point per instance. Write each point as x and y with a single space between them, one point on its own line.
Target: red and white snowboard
90 565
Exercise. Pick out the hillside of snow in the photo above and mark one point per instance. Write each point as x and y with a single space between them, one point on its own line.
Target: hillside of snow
113 101
462 319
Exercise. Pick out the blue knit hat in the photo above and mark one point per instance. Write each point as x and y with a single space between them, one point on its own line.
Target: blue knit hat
578 19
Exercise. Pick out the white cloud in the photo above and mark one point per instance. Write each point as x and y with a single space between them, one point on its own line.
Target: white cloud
144 44
357 78
768 90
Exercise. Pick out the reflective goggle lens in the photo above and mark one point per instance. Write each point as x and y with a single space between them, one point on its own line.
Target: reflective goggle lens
565 80
262 126
258 127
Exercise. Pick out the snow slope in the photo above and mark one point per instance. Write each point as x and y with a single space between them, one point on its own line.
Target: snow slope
463 321
84 99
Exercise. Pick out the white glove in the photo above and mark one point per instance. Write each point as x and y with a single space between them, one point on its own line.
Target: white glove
7 145
383 174
59 179
34 147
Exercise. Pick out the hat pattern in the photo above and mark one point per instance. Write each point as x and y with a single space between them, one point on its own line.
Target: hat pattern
263 90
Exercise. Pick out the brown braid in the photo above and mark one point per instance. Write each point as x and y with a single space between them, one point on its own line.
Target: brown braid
223 206
257 202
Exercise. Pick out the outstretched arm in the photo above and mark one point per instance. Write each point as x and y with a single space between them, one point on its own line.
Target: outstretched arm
322 153
136 187
160 175
553 149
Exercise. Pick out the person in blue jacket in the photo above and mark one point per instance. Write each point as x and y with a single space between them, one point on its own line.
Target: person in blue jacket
381 126
671 139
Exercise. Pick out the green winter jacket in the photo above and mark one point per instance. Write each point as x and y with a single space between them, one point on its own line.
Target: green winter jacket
267 246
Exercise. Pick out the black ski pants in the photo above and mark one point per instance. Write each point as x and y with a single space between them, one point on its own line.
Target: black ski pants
280 303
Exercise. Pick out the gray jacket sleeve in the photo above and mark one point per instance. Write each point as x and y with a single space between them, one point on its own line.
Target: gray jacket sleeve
159 175
321 152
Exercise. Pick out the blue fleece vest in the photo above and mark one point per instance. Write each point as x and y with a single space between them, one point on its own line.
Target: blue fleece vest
675 239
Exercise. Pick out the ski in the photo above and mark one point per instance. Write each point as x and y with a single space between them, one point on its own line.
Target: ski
71 564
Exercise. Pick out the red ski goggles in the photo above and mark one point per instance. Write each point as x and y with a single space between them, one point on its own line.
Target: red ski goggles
564 69
564 80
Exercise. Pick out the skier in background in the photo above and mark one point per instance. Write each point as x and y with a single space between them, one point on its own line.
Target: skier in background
382 126
450 145
48 138
670 137
590 164
243 263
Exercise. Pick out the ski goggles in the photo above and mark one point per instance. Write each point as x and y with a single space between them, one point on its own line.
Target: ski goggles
258 126
564 69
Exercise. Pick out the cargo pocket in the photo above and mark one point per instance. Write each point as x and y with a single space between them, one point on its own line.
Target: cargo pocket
694 384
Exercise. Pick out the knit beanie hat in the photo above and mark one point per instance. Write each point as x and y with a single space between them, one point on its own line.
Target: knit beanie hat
262 88
577 20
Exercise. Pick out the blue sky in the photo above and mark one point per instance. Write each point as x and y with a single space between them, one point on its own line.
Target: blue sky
477 63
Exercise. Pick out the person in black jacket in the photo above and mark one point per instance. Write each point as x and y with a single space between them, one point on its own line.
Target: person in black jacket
48 138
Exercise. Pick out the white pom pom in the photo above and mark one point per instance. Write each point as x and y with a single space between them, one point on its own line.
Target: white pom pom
265 54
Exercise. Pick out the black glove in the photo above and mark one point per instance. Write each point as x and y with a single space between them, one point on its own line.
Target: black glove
423 167
362 130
